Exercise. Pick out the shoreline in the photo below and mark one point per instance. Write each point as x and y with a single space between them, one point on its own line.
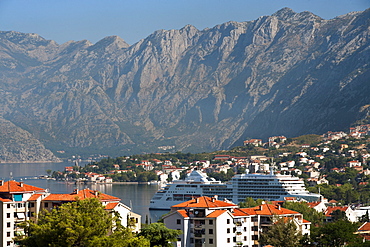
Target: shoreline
28 162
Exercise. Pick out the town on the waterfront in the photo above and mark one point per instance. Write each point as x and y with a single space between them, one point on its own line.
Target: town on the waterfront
185 123
315 180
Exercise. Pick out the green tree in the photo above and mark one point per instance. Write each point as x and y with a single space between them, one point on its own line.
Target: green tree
282 233
159 235
336 234
48 171
80 223
250 203
310 214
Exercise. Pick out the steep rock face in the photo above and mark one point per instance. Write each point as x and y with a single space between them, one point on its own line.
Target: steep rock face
19 145
288 73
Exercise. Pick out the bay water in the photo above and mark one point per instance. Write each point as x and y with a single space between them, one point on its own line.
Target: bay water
136 196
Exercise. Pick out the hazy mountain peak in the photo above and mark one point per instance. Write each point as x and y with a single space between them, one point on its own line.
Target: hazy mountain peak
112 40
284 13
284 74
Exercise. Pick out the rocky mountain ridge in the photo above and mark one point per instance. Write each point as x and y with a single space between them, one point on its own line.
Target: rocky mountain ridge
198 90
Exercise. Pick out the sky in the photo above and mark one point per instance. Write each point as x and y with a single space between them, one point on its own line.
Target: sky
132 20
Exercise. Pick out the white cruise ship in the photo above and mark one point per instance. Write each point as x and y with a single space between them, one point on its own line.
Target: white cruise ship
258 186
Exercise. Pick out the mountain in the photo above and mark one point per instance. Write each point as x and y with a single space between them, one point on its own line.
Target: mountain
195 90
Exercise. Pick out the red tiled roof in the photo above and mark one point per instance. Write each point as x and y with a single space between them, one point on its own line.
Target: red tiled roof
81 194
365 227
240 212
216 213
34 197
267 209
111 205
183 213
331 209
5 200
16 187
204 202
313 204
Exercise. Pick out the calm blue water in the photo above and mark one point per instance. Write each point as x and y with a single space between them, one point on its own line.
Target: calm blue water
137 196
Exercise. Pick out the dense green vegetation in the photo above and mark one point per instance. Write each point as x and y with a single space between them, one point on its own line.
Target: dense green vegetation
283 233
85 223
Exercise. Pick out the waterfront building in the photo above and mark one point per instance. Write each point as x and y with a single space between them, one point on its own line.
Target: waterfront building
20 202
209 222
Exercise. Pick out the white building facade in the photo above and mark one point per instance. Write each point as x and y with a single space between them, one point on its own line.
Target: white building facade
208 222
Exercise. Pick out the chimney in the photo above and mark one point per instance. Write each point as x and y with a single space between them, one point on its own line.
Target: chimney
216 197
21 184
1 182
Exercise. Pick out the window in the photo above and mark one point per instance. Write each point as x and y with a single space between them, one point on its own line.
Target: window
211 222
228 240
32 205
254 237
234 239
46 204
228 221
8 206
245 229
210 231
178 221
254 228
8 234
245 238
228 230
7 224
7 215
211 240
8 243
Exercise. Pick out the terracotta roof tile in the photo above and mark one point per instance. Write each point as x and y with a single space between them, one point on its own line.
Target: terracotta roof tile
14 187
205 202
365 227
34 197
5 200
216 213
81 194
264 209
240 212
111 205
313 204
183 213
331 209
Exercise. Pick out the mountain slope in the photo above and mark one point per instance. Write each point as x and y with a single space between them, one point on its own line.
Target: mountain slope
288 73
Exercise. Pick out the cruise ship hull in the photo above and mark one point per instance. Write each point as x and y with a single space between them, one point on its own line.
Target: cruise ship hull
257 186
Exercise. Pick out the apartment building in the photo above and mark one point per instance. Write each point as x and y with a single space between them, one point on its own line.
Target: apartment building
20 202
208 222
14 208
